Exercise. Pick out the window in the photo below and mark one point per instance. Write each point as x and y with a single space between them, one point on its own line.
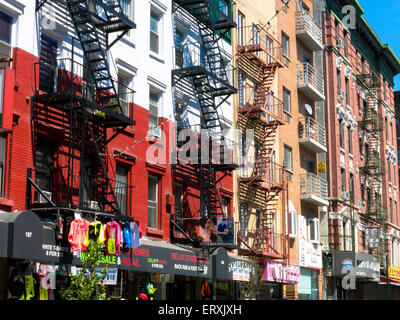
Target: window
387 128
346 236
178 194
121 187
5 27
338 81
345 38
384 90
178 42
351 185
341 133
3 149
87 186
224 207
224 7
152 202
154 105
313 226
286 5
286 100
342 180
347 91
391 210
288 157
350 137
155 19
242 88
292 223
389 171
125 93
127 7
43 165
285 48
241 39
362 187
48 64
336 30
255 34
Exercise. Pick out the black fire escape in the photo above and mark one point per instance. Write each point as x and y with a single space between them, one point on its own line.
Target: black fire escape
85 105
212 87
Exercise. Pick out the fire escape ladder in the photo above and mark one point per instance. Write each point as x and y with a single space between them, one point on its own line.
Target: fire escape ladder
104 190
92 36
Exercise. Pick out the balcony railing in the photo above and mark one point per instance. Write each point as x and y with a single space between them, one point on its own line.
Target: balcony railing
192 55
309 30
310 82
260 103
313 189
268 243
80 192
211 147
337 242
312 134
68 76
253 39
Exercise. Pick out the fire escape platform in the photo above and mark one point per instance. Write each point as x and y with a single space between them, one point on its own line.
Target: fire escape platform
63 100
200 71
222 21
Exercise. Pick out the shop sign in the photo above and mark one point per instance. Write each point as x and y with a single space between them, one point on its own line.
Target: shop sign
281 272
321 166
240 270
394 272
310 254
111 278
365 265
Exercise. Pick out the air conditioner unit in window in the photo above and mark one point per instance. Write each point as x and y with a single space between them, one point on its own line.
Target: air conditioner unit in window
94 205
340 43
38 197
346 195
341 95
359 203
155 132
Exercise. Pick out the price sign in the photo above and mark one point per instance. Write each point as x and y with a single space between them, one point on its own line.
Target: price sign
112 276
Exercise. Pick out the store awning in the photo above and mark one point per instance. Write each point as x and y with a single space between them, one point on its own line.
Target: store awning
365 265
20 235
230 266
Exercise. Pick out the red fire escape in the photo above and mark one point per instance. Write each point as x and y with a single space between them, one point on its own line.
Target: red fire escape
265 187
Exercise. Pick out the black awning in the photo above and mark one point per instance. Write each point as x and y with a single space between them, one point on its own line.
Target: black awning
233 267
20 235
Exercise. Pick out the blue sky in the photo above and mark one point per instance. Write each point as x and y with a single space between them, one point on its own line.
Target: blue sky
384 17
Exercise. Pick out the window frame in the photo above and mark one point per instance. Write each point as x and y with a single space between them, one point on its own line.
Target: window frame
313 221
158 33
126 193
154 129
3 162
155 203
289 149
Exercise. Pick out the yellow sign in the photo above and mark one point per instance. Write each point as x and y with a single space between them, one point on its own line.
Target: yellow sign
394 272
321 166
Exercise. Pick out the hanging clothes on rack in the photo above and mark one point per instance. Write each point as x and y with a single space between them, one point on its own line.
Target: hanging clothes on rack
95 232
77 234
113 238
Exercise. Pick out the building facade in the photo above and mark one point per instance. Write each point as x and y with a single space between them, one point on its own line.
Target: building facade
362 162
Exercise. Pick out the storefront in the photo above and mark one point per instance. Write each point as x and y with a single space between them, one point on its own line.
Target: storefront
275 274
176 272
310 262
354 276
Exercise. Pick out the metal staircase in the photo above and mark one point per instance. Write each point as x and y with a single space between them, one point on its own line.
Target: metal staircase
85 114
262 112
212 87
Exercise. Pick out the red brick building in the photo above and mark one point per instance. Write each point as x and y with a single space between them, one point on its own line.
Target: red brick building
362 142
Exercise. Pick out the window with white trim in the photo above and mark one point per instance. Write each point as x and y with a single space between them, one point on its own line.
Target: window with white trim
155 31
152 202
121 187
154 106
3 143
125 93
127 7
292 223
313 227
